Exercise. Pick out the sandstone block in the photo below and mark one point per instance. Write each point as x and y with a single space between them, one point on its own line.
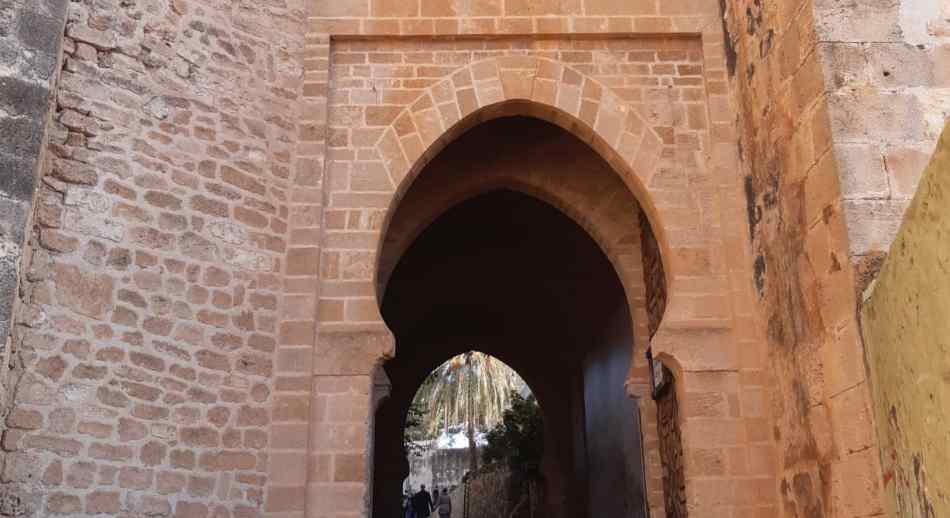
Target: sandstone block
87 293
102 502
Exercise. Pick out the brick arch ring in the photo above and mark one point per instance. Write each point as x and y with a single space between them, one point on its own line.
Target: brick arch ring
544 89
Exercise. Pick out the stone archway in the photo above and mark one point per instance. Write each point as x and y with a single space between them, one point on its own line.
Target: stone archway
470 281
587 192
411 135
667 176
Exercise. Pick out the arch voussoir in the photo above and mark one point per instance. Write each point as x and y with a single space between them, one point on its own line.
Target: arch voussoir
427 120
611 117
488 90
396 162
517 75
648 157
540 87
569 93
412 147
544 89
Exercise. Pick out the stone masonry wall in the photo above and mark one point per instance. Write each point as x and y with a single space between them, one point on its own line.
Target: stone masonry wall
820 403
157 364
30 37
489 492
144 351
887 80
663 78
695 195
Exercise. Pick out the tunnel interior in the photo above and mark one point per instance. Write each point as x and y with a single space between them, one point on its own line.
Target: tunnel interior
512 276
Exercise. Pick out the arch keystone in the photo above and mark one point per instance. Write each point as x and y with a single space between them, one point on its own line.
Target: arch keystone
489 92
517 84
485 69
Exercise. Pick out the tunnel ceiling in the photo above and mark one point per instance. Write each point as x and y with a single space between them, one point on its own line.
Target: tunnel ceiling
501 264
502 268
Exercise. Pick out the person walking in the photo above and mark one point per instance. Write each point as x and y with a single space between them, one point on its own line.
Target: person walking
422 503
445 504
407 511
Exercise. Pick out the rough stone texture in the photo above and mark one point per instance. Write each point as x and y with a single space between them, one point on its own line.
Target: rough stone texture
888 94
801 265
29 50
144 363
905 327
204 260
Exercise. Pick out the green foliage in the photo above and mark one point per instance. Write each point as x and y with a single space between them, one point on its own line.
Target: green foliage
519 439
414 430
470 389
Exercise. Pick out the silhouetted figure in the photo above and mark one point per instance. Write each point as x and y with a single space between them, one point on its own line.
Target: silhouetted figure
444 504
422 503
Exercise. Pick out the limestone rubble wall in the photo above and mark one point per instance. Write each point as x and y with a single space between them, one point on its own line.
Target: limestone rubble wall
143 358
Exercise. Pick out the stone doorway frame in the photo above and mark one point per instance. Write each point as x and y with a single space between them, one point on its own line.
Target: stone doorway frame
719 360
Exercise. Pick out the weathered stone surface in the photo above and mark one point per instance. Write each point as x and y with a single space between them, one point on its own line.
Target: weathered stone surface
885 94
88 294
128 227
905 384
29 47
188 242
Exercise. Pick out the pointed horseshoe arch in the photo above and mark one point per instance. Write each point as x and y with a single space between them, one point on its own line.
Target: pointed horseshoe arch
535 87
690 336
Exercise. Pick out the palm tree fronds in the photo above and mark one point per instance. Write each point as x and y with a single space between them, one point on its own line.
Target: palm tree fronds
471 388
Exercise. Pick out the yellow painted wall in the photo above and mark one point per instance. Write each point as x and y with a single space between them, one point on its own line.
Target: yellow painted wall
906 326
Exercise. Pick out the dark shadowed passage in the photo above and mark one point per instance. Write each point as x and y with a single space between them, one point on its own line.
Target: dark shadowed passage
524 282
